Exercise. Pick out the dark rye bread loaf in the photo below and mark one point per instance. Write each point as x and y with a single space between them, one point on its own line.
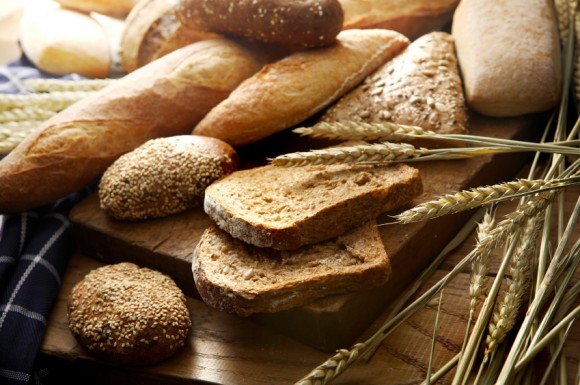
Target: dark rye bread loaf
235 277
285 208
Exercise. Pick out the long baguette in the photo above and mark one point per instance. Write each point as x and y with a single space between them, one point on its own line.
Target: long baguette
165 98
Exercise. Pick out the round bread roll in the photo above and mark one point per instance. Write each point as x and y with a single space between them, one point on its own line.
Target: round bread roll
129 315
164 176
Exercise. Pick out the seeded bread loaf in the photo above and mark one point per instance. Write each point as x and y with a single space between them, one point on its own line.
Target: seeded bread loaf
304 23
164 176
509 55
412 18
298 86
285 208
420 87
235 277
126 314
164 98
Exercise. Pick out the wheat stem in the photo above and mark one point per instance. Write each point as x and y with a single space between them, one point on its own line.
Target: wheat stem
53 101
51 85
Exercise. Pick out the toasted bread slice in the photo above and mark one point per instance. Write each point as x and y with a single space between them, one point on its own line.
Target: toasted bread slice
285 208
235 277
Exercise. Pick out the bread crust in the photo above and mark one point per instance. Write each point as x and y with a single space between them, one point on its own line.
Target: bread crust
307 23
294 88
412 18
286 208
509 55
235 277
165 98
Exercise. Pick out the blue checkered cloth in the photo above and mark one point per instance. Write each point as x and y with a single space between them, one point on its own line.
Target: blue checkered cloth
35 247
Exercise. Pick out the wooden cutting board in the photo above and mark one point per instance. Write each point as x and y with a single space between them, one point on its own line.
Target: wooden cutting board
167 244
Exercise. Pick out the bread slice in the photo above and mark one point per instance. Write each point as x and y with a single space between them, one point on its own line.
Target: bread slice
419 87
239 278
285 208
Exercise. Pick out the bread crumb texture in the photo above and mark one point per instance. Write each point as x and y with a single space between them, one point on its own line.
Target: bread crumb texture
164 176
130 315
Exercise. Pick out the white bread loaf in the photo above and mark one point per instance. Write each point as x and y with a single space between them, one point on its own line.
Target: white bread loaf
235 277
509 55
298 86
61 41
412 18
286 208
165 98
420 87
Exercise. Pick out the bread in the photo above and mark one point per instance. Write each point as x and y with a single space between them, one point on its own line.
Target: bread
164 176
509 55
129 315
412 18
235 277
60 42
295 88
419 87
306 23
152 30
117 8
165 98
285 208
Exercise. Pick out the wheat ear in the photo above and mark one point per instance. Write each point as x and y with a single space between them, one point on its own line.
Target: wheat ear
379 152
23 114
563 9
468 199
53 101
480 265
363 131
52 85
12 133
332 367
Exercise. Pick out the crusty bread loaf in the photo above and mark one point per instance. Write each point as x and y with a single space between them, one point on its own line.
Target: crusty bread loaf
116 8
412 18
164 176
152 30
419 87
239 278
129 315
61 41
307 23
509 55
285 208
165 98
296 87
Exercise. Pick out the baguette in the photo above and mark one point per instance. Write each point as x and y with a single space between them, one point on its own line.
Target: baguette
296 87
286 208
420 87
412 18
235 277
165 98
306 23
509 55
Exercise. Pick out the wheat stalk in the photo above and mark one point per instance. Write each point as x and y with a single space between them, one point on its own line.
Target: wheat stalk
468 199
379 152
23 114
52 85
348 130
53 101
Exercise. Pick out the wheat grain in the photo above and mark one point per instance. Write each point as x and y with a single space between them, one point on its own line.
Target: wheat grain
480 265
51 85
363 131
332 367
468 199
23 114
53 101
372 153
563 8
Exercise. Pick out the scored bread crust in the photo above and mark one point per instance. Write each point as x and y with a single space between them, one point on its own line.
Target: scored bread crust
235 277
420 87
412 18
285 208
295 88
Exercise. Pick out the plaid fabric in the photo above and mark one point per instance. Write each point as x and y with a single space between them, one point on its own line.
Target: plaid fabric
34 251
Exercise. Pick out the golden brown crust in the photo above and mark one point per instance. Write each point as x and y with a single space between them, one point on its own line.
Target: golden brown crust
420 87
129 315
164 98
293 89
309 23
